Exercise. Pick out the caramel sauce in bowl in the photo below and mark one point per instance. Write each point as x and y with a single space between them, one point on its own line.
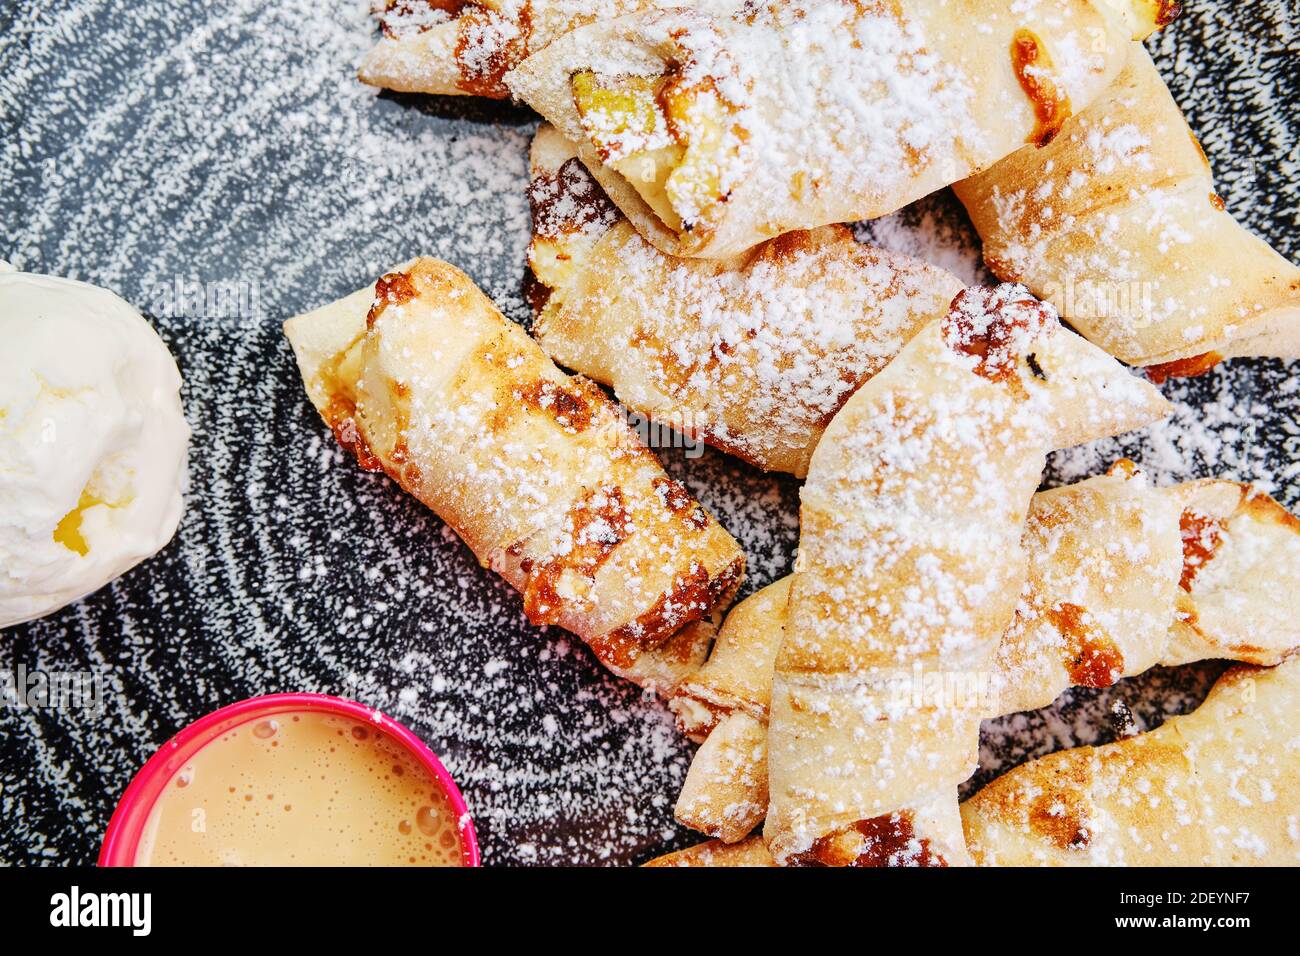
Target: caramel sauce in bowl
292 779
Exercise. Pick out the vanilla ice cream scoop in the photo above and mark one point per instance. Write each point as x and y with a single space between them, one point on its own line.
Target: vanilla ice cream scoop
92 442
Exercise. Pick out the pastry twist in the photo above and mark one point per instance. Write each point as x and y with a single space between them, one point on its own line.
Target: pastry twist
1215 787
1122 576
1211 788
910 556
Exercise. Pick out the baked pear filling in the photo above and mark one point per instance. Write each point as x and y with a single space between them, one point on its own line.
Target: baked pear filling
669 139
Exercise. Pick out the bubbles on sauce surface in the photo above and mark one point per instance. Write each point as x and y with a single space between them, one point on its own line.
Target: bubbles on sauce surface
336 792
428 820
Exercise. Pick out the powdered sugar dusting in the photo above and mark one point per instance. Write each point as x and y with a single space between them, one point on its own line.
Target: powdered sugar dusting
755 355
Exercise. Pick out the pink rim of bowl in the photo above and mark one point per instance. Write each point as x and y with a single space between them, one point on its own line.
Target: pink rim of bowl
122 839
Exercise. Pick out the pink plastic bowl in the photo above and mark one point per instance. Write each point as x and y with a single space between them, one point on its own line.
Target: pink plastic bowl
125 828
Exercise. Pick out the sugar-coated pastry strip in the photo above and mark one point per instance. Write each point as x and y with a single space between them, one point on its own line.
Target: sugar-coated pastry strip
714 133
724 706
737 677
1122 576
538 473
753 354
1239 594
1133 576
465 47
1105 559
1216 787
910 556
751 852
1117 223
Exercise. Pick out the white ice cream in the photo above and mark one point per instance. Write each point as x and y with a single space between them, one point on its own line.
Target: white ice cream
92 442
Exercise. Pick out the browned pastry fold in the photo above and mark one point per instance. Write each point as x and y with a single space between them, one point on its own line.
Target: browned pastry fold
753 354
724 706
1106 601
422 378
714 133
751 852
1117 223
1215 787
465 47
910 557
1122 576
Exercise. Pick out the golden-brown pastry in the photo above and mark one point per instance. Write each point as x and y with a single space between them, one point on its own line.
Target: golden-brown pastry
1129 576
753 354
737 677
536 471
1101 595
1117 224
716 853
456 47
1216 787
714 133
1122 576
1213 788
910 557
1100 543
724 706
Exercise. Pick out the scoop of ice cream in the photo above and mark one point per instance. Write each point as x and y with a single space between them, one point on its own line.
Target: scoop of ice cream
92 442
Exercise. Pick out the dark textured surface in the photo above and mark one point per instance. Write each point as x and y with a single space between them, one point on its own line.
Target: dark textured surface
146 143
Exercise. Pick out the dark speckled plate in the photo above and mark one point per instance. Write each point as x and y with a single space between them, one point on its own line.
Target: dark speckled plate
219 167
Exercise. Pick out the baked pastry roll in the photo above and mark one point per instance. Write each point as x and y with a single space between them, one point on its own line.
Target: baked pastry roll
1133 576
753 354
465 47
910 557
423 379
714 133
1121 576
1212 788
1240 588
724 706
1117 224
1215 787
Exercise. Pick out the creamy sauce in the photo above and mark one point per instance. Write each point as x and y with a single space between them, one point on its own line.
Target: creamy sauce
301 789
